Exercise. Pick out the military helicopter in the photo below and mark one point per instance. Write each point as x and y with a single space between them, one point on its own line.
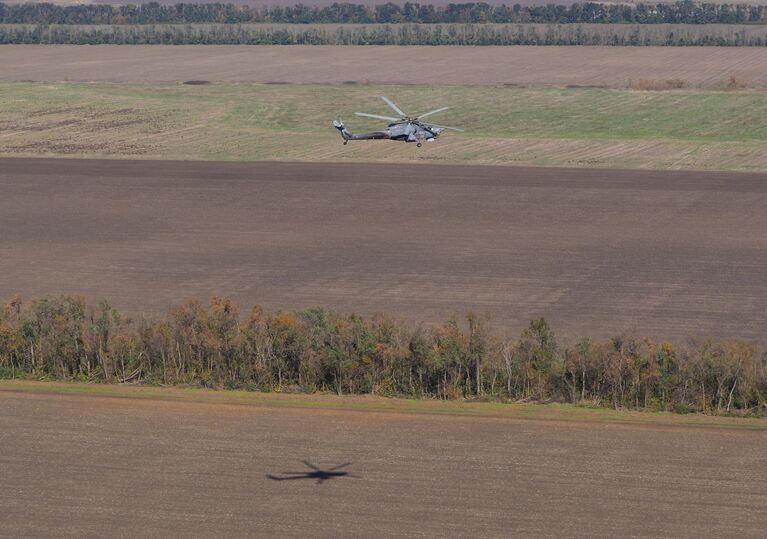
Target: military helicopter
404 128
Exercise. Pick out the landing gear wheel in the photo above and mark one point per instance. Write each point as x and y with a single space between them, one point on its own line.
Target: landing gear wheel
419 144
345 142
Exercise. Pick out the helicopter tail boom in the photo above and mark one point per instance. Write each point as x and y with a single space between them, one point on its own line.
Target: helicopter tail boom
348 135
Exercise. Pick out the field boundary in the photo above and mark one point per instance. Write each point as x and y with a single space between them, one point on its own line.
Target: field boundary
374 404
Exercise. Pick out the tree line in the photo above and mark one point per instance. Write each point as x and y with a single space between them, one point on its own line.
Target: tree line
319 350
407 34
684 12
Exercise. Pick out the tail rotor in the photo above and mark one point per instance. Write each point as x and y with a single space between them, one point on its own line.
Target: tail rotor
345 134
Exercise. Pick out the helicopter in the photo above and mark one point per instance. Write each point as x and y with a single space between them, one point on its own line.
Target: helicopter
405 128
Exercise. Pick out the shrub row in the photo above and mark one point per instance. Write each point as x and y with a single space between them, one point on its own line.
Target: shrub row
318 350
404 34
685 12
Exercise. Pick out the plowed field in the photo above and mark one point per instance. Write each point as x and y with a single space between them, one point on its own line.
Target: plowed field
74 466
598 252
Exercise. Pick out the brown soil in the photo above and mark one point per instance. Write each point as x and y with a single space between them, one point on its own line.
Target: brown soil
598 252
75 466
535 66
290 3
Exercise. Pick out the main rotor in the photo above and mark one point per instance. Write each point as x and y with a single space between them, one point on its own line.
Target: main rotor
405 118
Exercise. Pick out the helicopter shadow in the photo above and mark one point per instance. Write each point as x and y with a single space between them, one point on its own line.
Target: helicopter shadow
314 473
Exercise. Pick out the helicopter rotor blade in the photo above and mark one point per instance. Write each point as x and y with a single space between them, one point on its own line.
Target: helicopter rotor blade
435 111
389 118
312 466
339 467
394 107
446 127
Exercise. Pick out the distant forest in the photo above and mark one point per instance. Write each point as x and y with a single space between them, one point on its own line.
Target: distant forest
686 12
388 34
318 350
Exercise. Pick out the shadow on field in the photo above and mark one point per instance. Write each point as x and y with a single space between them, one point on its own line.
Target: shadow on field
315 473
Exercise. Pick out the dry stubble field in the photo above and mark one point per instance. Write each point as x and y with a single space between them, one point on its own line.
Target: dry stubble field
89 466
519 65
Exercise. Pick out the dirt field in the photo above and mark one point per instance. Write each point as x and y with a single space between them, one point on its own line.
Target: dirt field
538 66
323 3
84 466
669 255
320 3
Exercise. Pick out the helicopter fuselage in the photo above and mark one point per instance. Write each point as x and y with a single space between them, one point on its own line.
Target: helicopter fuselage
406 131
411 132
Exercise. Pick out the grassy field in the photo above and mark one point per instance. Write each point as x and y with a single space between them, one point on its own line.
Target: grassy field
539 126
